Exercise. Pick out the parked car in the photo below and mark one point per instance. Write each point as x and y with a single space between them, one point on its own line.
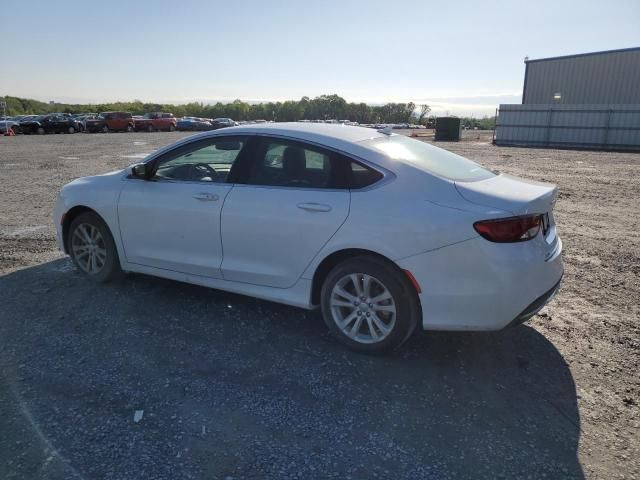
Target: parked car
194 124
222 123
8 123
156 121
54 123
111 121
381 231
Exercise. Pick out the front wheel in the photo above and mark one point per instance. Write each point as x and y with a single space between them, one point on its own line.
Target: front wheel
172 128
105 129
72 130
92 248
129 128
41 131
369 305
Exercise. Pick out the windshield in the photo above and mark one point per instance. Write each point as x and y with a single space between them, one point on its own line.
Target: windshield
429 158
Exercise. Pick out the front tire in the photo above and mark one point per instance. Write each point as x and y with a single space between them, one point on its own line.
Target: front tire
369 305
92 248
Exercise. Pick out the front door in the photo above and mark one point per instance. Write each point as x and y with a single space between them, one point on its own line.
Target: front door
172 221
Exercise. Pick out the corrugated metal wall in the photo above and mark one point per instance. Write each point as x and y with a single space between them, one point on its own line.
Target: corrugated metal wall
606 78
612 127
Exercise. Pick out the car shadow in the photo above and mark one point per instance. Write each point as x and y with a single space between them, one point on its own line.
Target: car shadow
231 386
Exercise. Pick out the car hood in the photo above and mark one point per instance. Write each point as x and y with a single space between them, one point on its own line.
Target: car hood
512 194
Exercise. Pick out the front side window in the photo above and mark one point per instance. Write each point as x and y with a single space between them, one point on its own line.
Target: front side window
291 164
205 161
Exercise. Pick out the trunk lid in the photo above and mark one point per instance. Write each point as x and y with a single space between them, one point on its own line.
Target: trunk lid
511 194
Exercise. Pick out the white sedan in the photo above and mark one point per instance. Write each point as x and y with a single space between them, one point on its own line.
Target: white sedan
381 231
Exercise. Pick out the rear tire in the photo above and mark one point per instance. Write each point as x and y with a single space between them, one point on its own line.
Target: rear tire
375 316
105 129
129 128
41 131
92 248
72 130
150 128
172 128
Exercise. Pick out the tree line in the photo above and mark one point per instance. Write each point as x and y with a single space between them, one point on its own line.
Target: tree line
324 107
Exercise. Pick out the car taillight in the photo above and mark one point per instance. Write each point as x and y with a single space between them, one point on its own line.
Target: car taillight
508 230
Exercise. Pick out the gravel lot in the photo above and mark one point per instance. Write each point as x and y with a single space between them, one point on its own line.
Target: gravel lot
233 387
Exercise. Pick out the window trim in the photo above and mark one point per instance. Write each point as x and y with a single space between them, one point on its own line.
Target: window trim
236 175
257 138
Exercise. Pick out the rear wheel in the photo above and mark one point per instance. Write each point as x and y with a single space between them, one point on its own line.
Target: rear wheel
105 129
369 305
129 128
92 248
72 130
150 128
172 128
41 131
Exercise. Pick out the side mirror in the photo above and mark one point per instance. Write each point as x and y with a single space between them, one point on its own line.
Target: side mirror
140 170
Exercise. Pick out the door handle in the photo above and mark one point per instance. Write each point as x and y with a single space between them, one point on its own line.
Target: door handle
314 207
206 197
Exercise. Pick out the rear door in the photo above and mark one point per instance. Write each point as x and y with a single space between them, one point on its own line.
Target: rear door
281 212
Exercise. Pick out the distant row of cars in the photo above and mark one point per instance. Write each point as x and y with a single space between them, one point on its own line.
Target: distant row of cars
109 122
407 126
151 122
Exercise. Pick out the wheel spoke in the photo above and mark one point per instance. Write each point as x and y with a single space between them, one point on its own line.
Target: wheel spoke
82 254
372 330
85 233
355 279
343 293
341 303
380 324
356 327
78 234
350 318
366 286
382 297
385 308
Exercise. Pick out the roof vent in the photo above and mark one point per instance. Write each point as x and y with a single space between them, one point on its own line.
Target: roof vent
386 130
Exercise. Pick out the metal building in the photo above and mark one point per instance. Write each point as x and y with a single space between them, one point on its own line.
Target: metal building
599 78
591 100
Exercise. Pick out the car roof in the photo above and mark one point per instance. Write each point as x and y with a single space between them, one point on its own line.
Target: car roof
344 138
325 133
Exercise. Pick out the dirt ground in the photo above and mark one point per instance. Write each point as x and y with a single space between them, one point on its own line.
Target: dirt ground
233 387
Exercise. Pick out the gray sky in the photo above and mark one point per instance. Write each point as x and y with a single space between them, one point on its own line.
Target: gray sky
463 57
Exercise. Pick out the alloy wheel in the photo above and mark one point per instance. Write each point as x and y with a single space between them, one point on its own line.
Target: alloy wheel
363 308
89 249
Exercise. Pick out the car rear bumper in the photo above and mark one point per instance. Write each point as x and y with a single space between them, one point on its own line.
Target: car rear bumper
537 305
480 285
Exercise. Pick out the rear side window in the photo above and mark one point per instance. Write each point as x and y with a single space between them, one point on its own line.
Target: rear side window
362 176
429 158
290 164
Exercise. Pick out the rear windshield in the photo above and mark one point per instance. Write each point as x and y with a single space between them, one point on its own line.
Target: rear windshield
429 158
